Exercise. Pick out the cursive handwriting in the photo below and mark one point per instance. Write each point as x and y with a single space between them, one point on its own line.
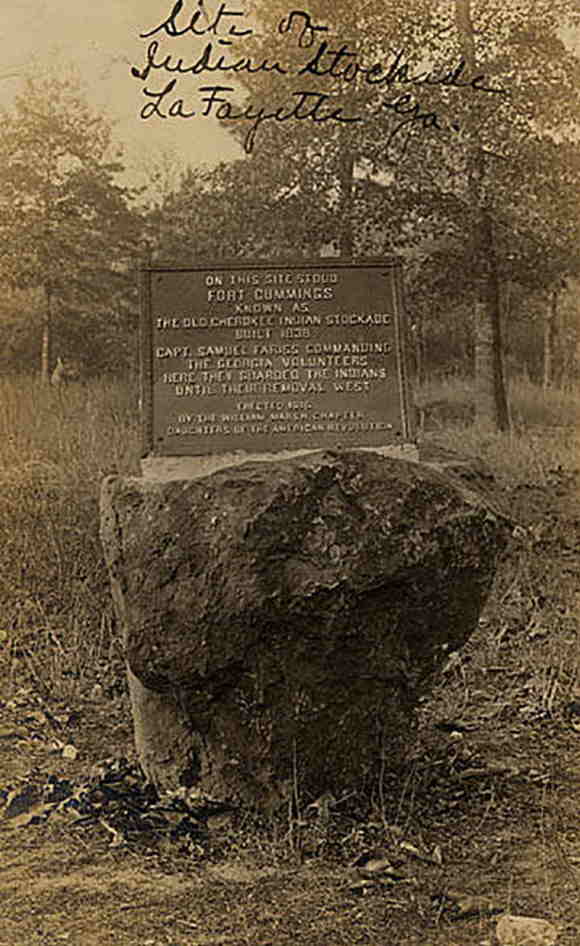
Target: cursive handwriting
171 28
336 61
343 64
405 106
209 61
308 106
309 29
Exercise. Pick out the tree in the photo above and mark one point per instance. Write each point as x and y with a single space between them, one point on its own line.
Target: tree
465 143
65 222
491 396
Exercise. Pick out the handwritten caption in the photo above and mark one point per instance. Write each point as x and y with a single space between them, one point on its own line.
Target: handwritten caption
314 57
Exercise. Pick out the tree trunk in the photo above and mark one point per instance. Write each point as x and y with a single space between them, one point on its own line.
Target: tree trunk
419 346
550 338
45 354
491 407
346 238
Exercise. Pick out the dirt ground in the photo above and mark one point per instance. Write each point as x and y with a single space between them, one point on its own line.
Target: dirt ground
482 820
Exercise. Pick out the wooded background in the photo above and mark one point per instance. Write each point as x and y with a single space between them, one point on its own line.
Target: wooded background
486 218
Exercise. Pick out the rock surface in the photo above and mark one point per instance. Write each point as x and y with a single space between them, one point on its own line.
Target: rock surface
280 620
525 931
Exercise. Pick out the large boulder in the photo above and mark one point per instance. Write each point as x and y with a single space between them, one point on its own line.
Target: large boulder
281 619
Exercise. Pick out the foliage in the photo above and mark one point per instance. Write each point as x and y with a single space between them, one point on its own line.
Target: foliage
412 185
65 222
553 415
54 448
408 191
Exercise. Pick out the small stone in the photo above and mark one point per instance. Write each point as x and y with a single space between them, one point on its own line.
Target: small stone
525 931
221 821
374 865
70 752
20 801
466 905
362 887
437 855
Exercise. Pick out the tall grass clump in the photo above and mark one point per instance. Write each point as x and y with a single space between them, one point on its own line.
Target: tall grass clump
530 404
531 625
535 406
544 435
55 446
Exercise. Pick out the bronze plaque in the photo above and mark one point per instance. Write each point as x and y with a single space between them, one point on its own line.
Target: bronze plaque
265 357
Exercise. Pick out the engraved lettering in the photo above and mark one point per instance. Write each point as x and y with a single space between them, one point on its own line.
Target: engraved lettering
262 357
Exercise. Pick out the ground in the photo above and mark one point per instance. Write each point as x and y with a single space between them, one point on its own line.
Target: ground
481 820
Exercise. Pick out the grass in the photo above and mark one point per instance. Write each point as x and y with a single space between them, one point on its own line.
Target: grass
533 614
530 404
54 449
545 433
511 684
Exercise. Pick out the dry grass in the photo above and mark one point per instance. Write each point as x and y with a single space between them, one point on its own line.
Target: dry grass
545 433
54 448
530 404
527 653
509 688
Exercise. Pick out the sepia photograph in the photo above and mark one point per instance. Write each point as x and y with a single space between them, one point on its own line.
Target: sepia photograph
290 473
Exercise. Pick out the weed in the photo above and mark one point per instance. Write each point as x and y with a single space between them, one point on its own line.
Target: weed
544 436
530 405
54 595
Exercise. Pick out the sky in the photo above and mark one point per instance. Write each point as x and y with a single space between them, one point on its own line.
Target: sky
101 39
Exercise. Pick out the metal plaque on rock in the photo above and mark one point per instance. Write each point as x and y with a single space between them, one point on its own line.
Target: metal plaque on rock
264 357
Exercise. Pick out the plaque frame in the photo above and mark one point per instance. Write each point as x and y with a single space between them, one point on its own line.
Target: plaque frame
391 265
